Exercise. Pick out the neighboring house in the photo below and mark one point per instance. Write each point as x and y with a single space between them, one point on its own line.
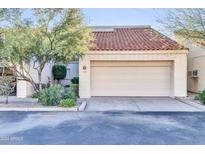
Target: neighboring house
130 61
196 64
196 68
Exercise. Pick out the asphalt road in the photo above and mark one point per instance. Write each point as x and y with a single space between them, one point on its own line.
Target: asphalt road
102 128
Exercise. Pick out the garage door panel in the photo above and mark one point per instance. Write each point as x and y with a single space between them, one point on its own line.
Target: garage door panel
130 81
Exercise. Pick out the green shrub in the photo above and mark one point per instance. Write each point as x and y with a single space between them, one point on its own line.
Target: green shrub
6 86
66 93
67 102
202 96
69 93
59 72
52 95
45 85
196 98
75 80
67 86
74 90
35 95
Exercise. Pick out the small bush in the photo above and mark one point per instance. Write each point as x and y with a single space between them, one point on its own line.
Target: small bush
74 90
52 95
59 72
67 86
75 80
196 98
35 95
202 96
45 85
66 93
67 102
69 93
6 85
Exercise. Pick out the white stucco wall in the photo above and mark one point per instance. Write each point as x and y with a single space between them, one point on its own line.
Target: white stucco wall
72 71
179 72
24 89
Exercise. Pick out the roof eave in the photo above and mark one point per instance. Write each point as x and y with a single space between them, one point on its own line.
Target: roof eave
136 51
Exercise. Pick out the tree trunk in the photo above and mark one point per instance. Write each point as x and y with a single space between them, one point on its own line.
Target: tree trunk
7 99
35 86
41 64
3 71
39 80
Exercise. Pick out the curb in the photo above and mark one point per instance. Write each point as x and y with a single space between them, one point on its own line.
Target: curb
82 106
46 109
188 102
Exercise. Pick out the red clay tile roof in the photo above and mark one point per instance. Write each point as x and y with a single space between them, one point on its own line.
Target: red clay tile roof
132 38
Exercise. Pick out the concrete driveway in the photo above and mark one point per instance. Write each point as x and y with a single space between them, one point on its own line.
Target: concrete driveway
102 128
138 104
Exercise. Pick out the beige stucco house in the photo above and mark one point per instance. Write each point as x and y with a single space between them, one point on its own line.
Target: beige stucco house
133 61
128 61
196 67
195 64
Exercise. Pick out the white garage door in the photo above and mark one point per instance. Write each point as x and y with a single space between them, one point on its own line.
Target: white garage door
130 78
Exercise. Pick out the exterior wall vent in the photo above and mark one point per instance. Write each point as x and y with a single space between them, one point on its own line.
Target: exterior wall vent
195 73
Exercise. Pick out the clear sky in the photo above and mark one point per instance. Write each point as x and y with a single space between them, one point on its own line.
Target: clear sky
101 17
116 16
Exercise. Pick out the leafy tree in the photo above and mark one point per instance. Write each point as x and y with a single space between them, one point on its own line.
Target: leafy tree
31 40
188 23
